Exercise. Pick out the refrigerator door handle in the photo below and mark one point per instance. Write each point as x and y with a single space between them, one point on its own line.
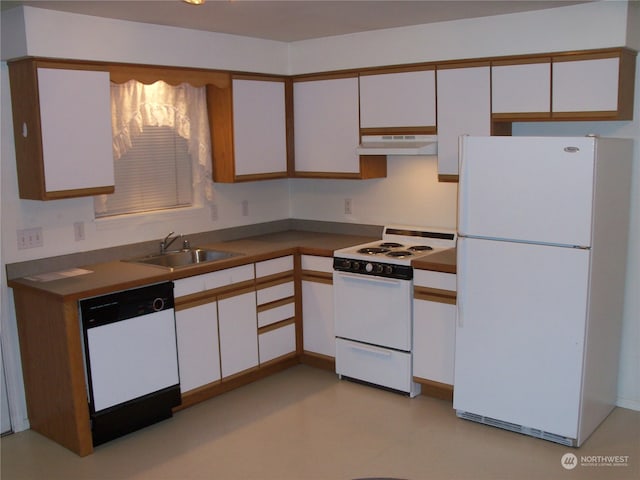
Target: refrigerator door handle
460 282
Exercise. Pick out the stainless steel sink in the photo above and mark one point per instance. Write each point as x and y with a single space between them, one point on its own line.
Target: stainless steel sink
184 258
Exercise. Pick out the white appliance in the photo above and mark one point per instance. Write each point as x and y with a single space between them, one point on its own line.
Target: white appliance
398 145
131 359
543 226
373 290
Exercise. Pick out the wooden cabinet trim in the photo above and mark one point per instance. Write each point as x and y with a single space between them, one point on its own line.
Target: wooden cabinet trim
397 69
315 276
463 64
434 295
520 61
425 130
276 325
275 279
275 304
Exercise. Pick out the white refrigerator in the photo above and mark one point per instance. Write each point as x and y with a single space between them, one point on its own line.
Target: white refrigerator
543 227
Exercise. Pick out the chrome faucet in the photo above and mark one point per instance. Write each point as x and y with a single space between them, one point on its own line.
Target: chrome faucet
164 245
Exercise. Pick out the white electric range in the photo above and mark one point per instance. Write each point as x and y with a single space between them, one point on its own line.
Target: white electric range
373 290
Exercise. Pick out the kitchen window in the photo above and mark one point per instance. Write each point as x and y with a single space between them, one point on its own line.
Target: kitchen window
161 148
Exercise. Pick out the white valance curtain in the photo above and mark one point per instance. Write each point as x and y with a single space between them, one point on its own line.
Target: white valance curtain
135 105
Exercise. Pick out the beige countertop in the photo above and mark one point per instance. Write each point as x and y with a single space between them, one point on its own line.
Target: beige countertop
119 275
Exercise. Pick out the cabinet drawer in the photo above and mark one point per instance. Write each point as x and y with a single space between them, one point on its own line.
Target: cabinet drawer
277 292
208 281
389 368
318 264
276 343
276 265
273 315
438 280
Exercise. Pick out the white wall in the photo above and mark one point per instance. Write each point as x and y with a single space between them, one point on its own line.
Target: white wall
410 194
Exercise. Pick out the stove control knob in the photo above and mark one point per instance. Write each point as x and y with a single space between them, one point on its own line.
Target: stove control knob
369 267
356 266
378 268
346 263
388 269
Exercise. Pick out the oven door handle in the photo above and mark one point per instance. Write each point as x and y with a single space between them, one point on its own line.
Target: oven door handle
372 350
369 278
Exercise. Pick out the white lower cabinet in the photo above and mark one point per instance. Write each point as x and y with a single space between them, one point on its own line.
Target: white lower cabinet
434 326
198 351
317 305
238 333
277 342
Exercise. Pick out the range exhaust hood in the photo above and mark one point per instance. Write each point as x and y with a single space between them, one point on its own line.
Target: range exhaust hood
398 145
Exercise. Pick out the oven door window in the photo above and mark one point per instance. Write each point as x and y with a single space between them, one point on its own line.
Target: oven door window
373 310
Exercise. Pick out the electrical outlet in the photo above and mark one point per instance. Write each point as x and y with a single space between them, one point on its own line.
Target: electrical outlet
245 208
30 238
347 206
213 210
78 231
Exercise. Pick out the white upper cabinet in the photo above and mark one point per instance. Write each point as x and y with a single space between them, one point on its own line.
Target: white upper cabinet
464 108
62 128
260 139
397 100
248 121
326 126
586 85
521 88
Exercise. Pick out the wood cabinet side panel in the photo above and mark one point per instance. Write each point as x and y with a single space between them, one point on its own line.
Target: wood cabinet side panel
26 119
53 369
220 111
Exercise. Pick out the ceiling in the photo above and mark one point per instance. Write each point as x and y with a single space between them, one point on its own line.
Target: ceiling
290 20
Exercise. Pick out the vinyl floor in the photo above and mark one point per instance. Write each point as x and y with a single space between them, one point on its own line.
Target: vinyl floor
304 423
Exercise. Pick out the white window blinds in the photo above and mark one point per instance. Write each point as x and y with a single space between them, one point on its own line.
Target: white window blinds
160 146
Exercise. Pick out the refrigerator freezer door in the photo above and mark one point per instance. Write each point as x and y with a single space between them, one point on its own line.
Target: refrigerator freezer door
520 334
529 189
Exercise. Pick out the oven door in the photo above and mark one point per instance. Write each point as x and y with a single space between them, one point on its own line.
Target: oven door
373 310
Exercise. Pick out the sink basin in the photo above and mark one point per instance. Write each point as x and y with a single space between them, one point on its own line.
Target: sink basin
184 258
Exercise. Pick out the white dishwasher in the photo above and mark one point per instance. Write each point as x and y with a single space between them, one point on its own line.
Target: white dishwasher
131 360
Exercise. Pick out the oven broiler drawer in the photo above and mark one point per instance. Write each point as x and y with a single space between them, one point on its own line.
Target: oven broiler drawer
376 365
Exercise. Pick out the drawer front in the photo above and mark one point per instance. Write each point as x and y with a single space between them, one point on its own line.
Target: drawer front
439 280
208 281
276 343
318 264
389 368
276 265
277 292
273 315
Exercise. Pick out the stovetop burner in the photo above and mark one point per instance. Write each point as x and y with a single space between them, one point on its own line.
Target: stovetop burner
400 254
373 250
390 245
420 248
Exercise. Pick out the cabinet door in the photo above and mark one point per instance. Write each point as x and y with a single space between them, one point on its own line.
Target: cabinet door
260 142
326 123
198 350
317 318
434 331
63 143
522 88
238 332
463 109
586 85
405 99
